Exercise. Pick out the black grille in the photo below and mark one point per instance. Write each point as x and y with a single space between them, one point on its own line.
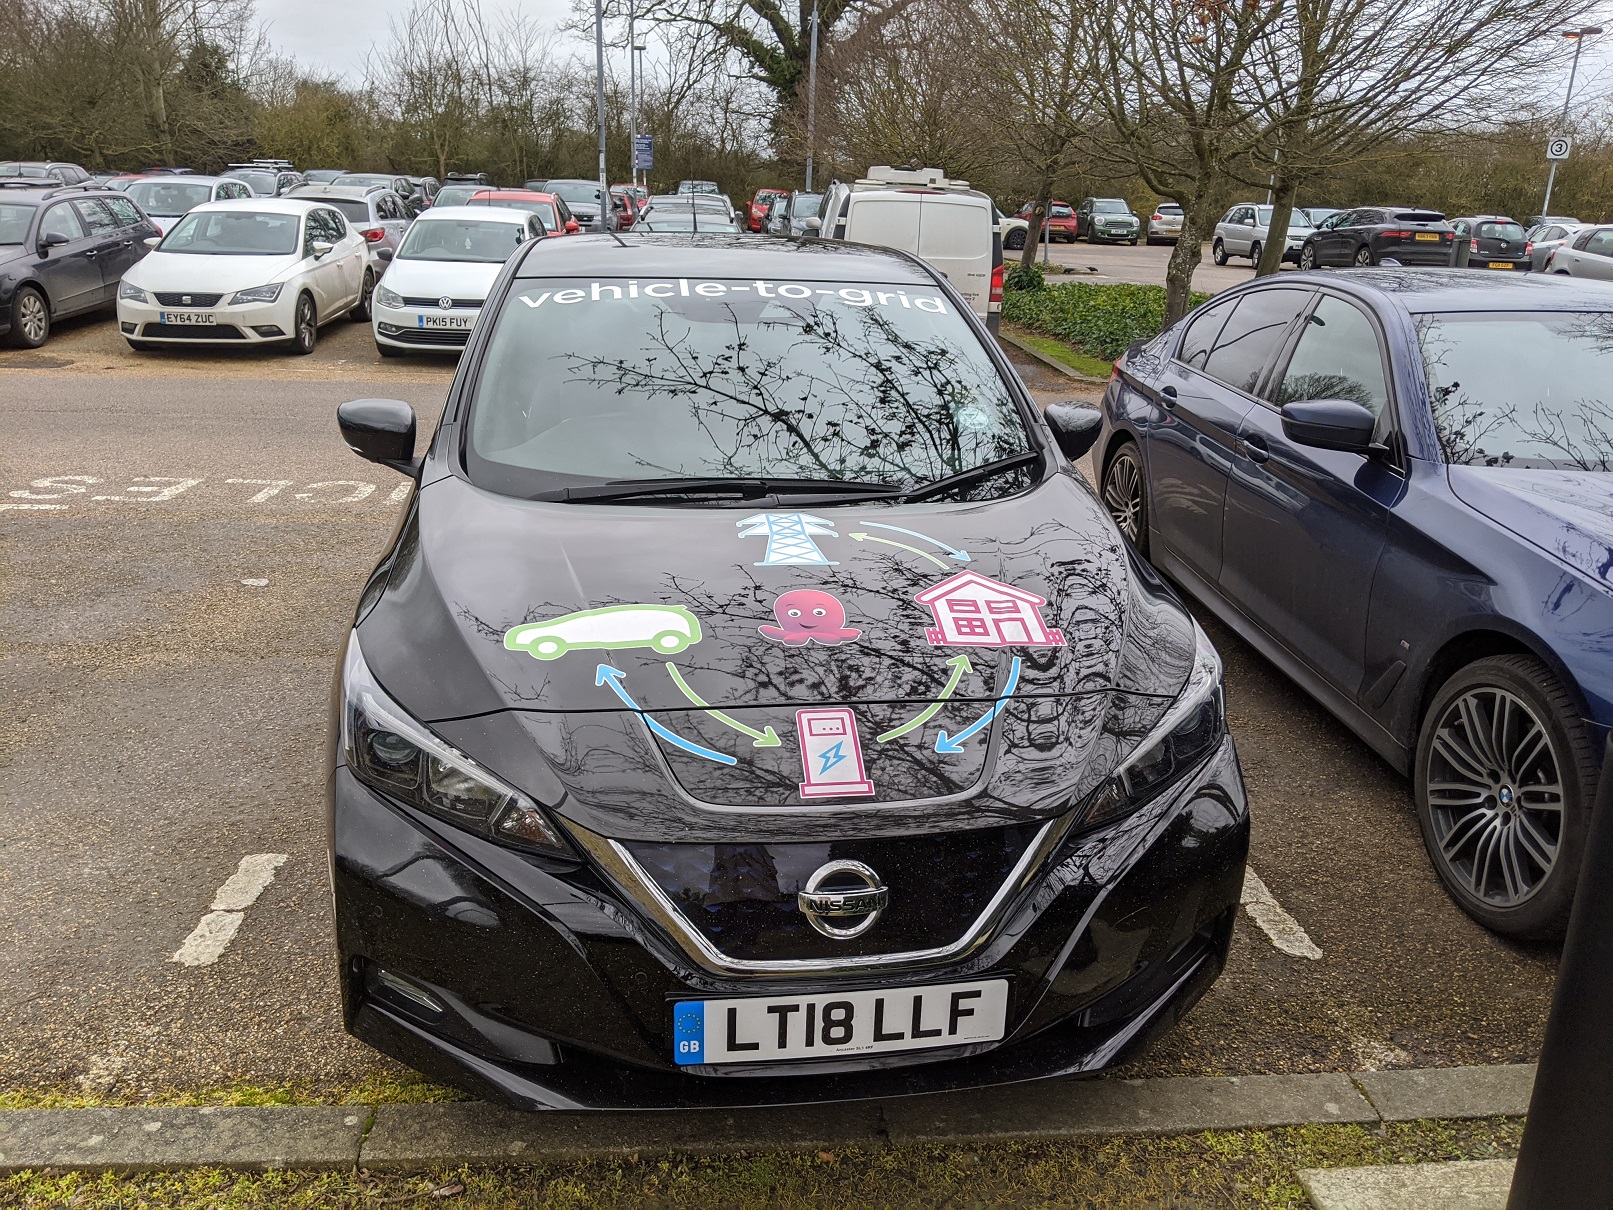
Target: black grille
194 331
431 303
742 897
426 336
188 300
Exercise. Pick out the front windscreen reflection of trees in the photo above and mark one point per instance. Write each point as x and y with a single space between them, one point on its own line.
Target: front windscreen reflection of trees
1522 390
799 390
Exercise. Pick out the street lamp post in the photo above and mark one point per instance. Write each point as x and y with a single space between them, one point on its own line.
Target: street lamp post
599 88
632 94
1578 36
812 94
638 74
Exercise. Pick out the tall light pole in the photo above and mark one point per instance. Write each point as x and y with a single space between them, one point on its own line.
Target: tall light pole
1578 36
599 88
632 93
812 94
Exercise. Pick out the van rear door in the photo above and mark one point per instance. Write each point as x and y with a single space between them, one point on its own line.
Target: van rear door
955 236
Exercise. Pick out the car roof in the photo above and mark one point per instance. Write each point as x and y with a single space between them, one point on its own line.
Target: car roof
482 214
38 190
261 205
321 191
719 255
1423 291
514 195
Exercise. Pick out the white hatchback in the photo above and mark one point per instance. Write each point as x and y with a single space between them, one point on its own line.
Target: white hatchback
256 271
434 287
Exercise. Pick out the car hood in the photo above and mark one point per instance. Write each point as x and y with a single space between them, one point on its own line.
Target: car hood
435 278
11 252
727 702
1568 513
187 271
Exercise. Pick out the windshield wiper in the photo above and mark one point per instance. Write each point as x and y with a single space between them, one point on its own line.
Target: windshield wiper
628 489
985 470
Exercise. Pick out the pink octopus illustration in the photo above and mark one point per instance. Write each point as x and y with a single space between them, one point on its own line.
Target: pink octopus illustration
806 615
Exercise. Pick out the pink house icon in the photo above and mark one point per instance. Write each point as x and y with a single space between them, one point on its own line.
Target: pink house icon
972 610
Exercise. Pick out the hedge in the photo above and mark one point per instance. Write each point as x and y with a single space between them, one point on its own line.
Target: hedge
1100 319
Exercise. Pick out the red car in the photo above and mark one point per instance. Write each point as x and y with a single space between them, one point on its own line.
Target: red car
624 199
757 210
1061 220
552 210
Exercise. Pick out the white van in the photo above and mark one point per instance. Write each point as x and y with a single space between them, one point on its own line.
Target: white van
943 222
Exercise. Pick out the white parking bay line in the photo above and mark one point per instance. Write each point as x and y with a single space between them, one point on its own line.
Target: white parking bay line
214 931
1284 931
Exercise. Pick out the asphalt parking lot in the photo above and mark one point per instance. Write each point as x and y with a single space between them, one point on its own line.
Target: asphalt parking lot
1145 265
182 538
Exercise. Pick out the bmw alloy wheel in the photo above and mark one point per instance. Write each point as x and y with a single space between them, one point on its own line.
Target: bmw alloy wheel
1123 494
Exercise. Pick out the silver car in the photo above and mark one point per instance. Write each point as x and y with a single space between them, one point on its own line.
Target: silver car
376 213
1165 224
1546 239
1244 229
1587 253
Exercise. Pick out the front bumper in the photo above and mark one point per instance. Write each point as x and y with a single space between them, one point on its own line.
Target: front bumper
554 989
242 324
1114 234
411 327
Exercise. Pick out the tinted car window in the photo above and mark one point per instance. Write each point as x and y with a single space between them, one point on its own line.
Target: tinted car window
1252 335
126 212
1500 231
61 220
1201 332
461 240
1600 244
1526 389
168 198
14 220
748 378
97 217
1338 357
330 225
357 212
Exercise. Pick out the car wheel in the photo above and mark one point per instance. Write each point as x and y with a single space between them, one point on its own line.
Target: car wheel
141 346
361 309
387 350
1015 241
1152 241
1505 776
1254 254
1218 253
30 318
1124 497
1133 243
306 330
1307 256
1363 256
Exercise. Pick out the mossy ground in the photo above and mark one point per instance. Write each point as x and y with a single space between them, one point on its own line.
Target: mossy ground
1092 367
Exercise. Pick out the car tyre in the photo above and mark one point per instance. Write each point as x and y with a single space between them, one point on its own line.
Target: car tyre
305 331
1015 241
30 318
1125 494
387 350
1218 252
1507 849
1307 257
1254 254
141 346
366 292
1364 257
1152 241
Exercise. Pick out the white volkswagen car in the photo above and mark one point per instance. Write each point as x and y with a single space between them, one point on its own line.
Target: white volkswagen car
438 279
258 271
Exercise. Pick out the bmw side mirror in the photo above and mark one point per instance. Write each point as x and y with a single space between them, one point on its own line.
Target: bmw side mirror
1330 424
1075 428
383 254
380 430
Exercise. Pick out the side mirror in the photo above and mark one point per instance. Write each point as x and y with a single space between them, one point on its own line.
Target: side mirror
383 254
814 223
322 249
151 241
1330 424
54 240
380 430
1075 428
572 226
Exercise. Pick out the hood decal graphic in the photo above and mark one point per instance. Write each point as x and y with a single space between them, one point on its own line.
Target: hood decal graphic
960 668
831 754
765 738
789 538
912 550
952 552
954 743
606 675
972 610
809 615
667 629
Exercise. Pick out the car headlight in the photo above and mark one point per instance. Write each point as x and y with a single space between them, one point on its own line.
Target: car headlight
388 298
1183 737
257 294
390 752
131 292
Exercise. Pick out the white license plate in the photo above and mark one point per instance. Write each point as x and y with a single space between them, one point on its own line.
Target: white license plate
767 1029
459 322
186 317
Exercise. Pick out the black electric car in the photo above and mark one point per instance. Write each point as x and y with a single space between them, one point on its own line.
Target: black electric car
757 706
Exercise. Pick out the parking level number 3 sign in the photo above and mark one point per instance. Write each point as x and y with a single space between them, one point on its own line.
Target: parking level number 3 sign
1558 148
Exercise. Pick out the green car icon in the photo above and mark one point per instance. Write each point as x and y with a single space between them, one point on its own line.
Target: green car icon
667 629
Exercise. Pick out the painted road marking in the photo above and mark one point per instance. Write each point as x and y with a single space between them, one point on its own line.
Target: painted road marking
1284 931
214 931
64 491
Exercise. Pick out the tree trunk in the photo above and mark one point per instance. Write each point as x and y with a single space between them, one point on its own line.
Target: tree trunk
1039 212
1282 203
1185 257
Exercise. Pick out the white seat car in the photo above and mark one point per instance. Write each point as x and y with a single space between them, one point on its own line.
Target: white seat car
167 198
438 279
259 271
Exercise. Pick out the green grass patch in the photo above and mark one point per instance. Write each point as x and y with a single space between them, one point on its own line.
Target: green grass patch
1098 319
381 1088
1060 352
1248 1170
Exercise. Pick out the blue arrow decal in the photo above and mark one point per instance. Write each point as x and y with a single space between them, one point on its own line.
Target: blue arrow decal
952 551
606 675
954 743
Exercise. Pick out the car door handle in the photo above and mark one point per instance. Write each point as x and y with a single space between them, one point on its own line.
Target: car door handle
91 253
1255 446
1167 397
128 243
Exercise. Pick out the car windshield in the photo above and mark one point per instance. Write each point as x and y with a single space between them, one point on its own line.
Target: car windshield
1317 214
574 193
14 220
363 178
544 210
356 212
1522 389
806 203
590 381
234 233
1060 210
1110 206
461 239
456 195
322 175
261 183
168 198
682 220
1500 231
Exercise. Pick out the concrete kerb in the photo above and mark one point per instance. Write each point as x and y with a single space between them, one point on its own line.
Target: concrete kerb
404 1137
1052 363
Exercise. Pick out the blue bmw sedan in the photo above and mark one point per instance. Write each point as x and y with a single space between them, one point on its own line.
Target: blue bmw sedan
1395 485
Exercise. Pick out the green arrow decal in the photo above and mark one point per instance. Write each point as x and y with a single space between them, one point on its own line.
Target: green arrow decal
761 739
913 550
960 668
